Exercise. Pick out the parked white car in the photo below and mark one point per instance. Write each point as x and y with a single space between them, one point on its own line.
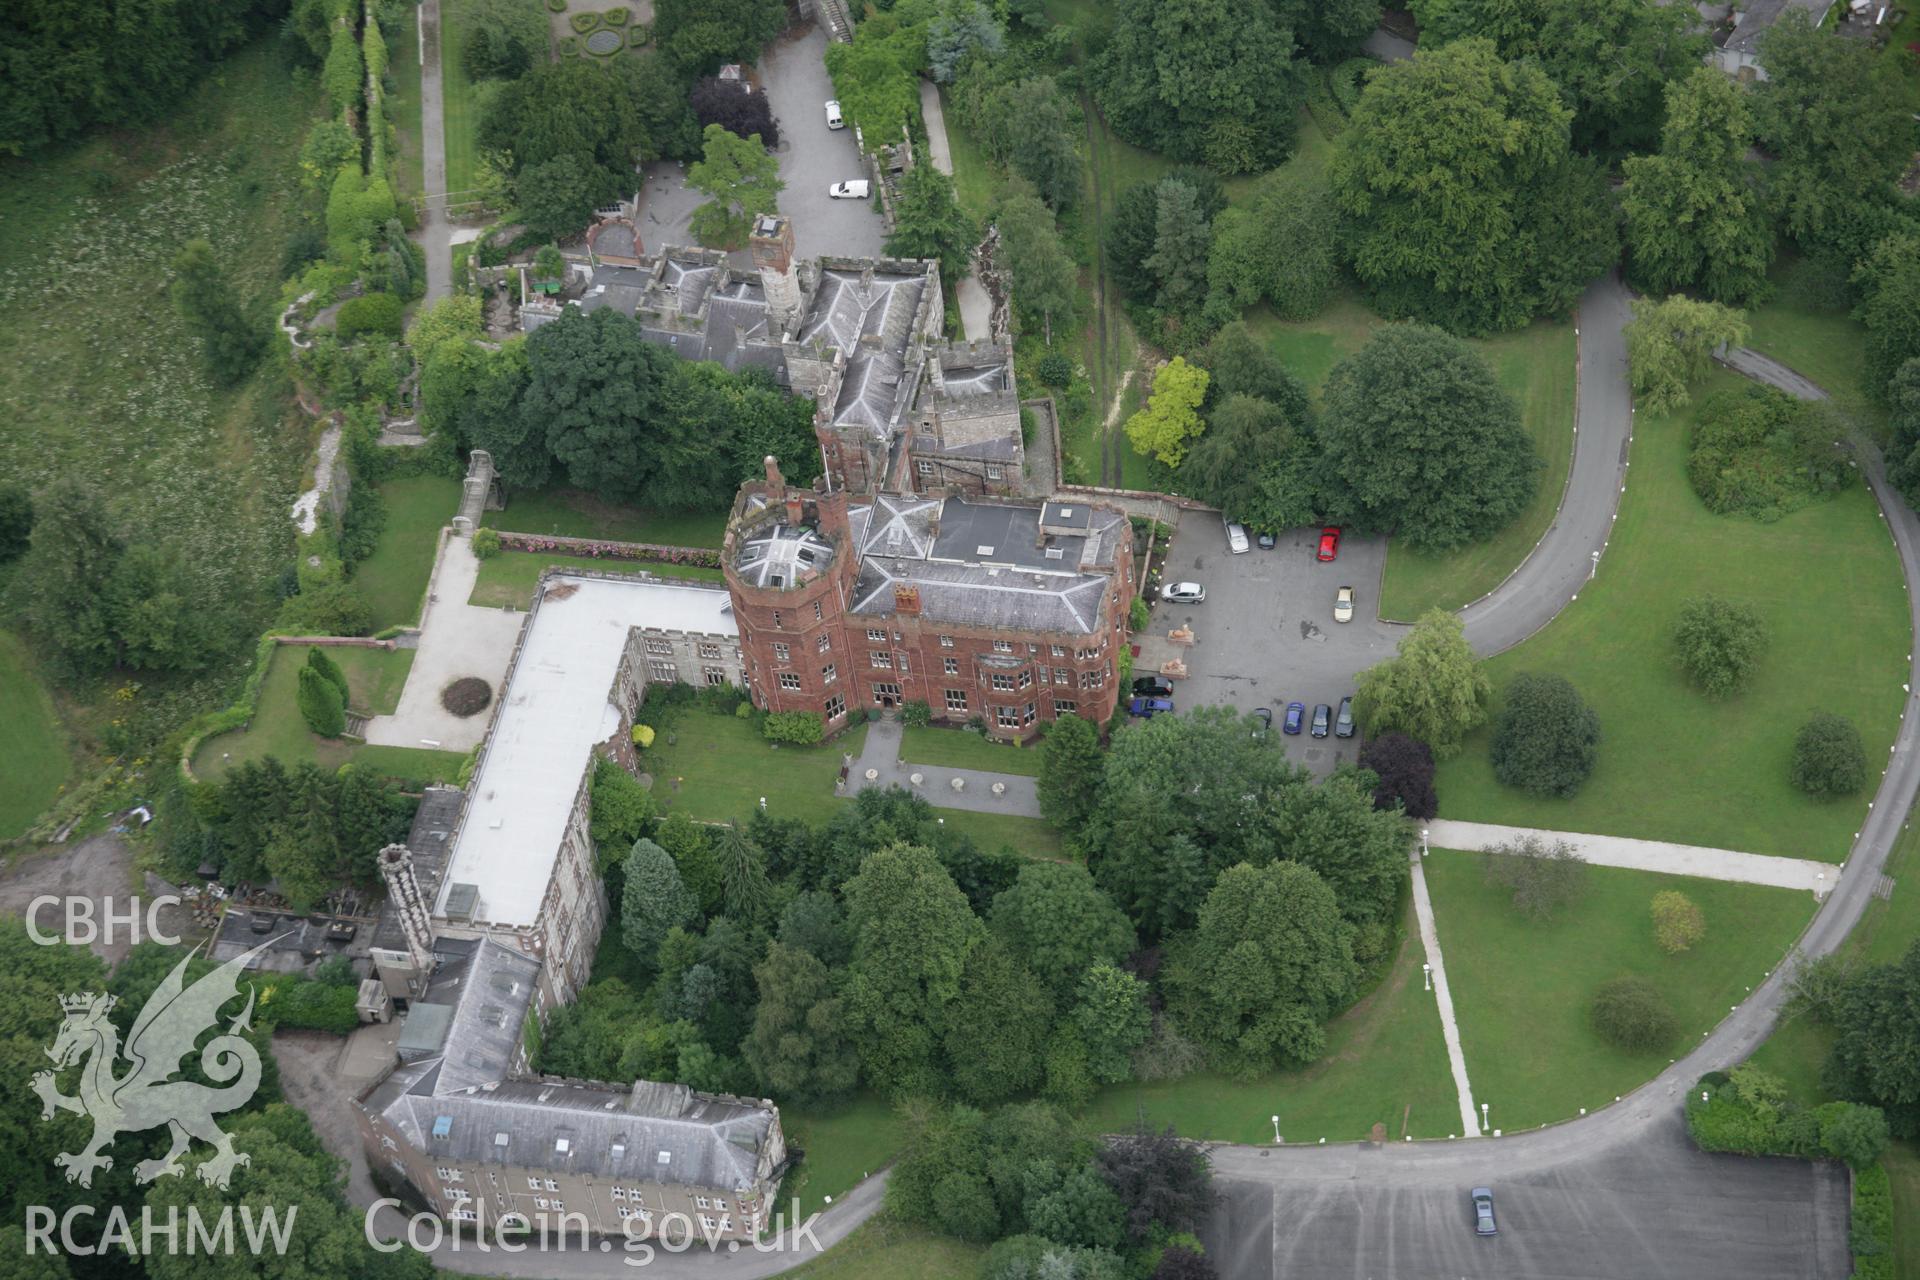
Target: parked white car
1237 539
1184 593
851 189
834 120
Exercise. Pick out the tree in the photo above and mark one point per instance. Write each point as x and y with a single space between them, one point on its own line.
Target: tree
619 809
320 703
1828 757
1243 365
1204 81
1757 452
1284 249
876 77
1255 463
1671 343
369 815
1888 281
1611 59
1630 1013
962 29
606 113
1695 214
1075 1207
997 1026
1463 204
329 670
1043 132
505 39
1330 30
1903 452
204 298
1056 920
653 901
150 608
1178 1262
1858 1135
1167 426
735 106
1677 921
812 923
1418 438
1110 1014
913 932
1545 739
1360 851
744 887
1433 689
303 856
1182 233
1266 966
1164 1182
600 392
1070 769
1543 878
929 222
798 1047
743 179
1404 767
1041 274
700 36
1876 1052
556 197
1719 644
16 522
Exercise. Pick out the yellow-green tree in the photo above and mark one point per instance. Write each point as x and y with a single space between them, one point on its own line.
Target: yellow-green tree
1171 420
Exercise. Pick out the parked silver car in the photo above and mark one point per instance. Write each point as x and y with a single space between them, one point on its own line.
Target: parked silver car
1184 593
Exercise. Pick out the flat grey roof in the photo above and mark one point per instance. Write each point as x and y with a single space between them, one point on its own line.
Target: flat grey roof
996 533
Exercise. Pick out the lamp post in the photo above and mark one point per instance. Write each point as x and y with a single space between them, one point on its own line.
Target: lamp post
1423 842
1483 1115
1426 974
1595 571
1276 1130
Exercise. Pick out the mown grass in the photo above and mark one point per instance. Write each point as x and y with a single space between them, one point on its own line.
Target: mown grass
403 106
1674 765
573 514
1807 328
394 578
374 678
843 1145
459 104
1386 1064
506 581
884 1249
1522 989
965 749
35 760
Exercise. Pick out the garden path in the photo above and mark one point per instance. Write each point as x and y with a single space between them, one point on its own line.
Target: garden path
1020 795
976 308
435 233
1817 878
1443 997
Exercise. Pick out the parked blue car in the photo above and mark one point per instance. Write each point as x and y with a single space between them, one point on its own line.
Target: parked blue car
1148 708
1296 713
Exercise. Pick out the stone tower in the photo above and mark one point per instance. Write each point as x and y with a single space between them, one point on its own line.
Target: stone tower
403 891
772 246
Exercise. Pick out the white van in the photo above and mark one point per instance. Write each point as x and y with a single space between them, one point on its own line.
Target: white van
833 115
851 189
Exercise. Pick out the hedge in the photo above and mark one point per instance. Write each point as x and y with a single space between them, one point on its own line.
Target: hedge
570 46
600 548
558 6
236 716
802 728
615 17
377 313
639 33
1871 1239
584 22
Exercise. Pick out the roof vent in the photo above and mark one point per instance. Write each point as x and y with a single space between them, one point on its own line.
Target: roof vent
983 551
501 1139
665 1157
1055 553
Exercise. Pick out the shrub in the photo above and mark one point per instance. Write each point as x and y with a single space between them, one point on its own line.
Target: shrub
1828 758
377 313
615 17
1545 739
1054 370
584 22
917 713
558 6
1677 921
801 727
486 542
1542 877
569 47
332 609
1629 1013
1404 767
320 703
639 33
1854 1133
295 1003
1137 616
1719 644
329 670
1759 453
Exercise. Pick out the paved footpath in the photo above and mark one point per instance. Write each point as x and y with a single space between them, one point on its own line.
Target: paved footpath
435 234
1019 795
1651 855
1443 996
976 308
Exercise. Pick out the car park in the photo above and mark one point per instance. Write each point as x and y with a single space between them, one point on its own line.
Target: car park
834 118
1483 1224
1184 593
1148 708
1237 538
1296 715
1263 721
1152 687
1329 544
1322 720
1343 605
1343 719
851 189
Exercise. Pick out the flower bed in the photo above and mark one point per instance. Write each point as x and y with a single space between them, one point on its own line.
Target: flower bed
639 34
705 557
615 17
570 46
584 22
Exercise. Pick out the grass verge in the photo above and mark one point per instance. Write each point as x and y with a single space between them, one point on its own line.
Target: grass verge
570 513
35 761
1674 765
844 1144
1522 989
887 1250
394 578
506 581
1807 328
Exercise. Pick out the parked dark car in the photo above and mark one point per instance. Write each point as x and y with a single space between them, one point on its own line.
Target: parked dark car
1322 720
1343 722
1263 721
1152 687
1148 708
1483 1213
1296 716
1266 541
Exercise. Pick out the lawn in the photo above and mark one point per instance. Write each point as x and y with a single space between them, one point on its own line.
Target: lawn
1386 1064
844 1144
403 105
34 759
965 749
1672 764
974 182
374 679
459 104
506 581
887 1250
394 578
1029 837
572 514
1521 989
1811 332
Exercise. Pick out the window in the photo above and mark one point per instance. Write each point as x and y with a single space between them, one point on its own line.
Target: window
903 664
816 611
533 1184
714 675
1059 651
946 642
1002 681
953 666
876 636
452 1193
552 1185
1062 675
926 468
881 692
726 1222
709 650
824 643
661 647
1033 649
450 1175
776 619
781 653
665 672
1062 707
828 674
559 1206
541 1201
1003 646
956 699
1007 717
789 680
708 1224
1097 679
633 1194
1026 677
836 707
881 658
993 473
618 1193
1026 714
703 1202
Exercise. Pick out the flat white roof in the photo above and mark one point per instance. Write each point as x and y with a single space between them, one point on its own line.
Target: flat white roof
555 709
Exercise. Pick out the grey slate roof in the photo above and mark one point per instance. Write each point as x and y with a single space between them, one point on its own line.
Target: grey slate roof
782 555
1757 16
868 316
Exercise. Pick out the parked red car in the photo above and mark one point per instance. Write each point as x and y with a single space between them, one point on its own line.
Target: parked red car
1329 543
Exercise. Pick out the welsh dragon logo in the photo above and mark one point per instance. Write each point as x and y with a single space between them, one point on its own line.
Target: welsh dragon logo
147 1096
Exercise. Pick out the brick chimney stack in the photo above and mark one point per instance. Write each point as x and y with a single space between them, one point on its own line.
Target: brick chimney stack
776 483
